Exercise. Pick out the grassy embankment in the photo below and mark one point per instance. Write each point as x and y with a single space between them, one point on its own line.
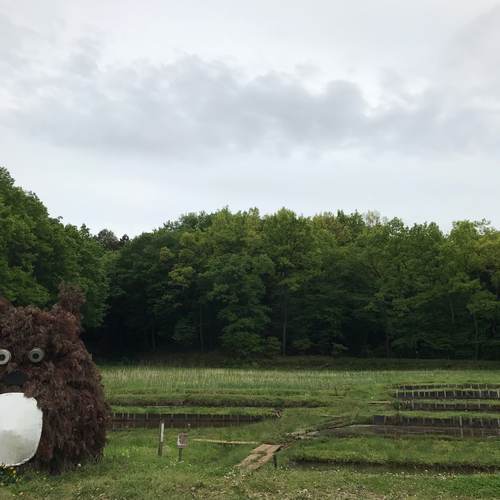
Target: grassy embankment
131 468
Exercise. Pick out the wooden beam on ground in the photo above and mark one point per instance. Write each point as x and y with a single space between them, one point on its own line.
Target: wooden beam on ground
220 441
259 456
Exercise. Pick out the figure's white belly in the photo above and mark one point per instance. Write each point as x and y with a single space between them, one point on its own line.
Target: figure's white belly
20 428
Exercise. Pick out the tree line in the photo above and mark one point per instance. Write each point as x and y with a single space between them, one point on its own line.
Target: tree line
251 284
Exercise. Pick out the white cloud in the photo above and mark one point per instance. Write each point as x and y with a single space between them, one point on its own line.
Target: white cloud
192 107
308 135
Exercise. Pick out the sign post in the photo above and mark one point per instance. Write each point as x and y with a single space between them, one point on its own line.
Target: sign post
182 442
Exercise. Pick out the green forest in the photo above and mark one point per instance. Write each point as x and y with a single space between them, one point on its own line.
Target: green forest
250 285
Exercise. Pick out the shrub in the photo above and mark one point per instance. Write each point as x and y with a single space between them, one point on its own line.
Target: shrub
243 344
185 332
272 347
302 346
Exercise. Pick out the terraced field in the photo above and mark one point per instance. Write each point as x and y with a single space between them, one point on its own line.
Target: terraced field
346 434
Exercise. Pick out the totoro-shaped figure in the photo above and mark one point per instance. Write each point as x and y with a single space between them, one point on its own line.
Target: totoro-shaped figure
53 414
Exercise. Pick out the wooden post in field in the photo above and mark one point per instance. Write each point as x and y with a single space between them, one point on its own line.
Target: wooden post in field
182 442
161 438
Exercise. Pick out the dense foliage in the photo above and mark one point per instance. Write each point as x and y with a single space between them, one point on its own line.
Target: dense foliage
250 284
38 253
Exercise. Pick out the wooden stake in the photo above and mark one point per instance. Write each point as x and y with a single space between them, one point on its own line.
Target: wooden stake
161 438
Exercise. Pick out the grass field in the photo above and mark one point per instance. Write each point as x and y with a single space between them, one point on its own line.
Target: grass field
322 467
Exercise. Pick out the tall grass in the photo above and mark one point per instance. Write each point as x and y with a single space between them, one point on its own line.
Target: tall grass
173 380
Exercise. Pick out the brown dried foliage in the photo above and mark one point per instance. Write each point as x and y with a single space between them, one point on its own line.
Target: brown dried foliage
66 383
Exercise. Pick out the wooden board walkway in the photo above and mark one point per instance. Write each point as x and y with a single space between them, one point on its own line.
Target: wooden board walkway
259 456
220 441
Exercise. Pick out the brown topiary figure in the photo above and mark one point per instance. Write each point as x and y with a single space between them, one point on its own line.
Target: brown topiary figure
48 361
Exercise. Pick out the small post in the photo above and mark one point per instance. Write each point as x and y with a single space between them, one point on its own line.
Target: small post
275 460
182 442
161 438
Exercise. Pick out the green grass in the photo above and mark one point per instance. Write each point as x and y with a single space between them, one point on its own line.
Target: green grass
197 410
131 469
220 360
248 387
391 452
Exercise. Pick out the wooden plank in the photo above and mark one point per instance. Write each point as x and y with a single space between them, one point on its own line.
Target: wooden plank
220 441
264 459
259 456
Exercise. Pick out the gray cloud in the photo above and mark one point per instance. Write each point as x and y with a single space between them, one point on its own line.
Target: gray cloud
112 129
193 107
473 52
185 107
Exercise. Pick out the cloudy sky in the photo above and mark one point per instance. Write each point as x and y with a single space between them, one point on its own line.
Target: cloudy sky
124 114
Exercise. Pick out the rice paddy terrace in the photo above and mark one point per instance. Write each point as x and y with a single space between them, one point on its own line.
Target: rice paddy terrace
303 433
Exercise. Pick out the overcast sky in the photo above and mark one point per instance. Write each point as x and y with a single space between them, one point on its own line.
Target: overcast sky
125 114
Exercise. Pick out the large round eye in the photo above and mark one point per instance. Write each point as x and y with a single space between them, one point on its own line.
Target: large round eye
36 355
4 356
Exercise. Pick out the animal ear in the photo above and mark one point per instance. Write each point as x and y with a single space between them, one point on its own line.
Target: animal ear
71 298
5 305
